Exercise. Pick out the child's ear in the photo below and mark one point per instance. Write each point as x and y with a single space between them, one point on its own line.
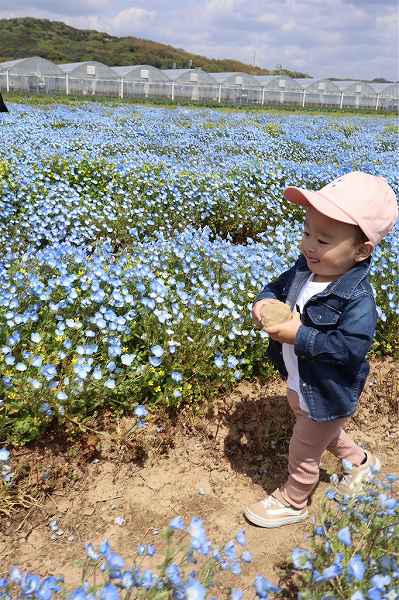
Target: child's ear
364 250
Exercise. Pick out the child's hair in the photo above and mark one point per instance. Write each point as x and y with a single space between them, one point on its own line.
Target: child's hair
360 236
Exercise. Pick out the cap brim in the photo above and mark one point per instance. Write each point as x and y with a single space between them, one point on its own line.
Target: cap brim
319 201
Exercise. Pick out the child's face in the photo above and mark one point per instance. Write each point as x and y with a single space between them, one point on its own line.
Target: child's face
330 247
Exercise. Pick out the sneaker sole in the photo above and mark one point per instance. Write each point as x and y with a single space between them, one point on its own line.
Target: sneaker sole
257 520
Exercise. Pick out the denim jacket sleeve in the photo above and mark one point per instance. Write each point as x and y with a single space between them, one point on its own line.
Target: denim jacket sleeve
348 344
275 289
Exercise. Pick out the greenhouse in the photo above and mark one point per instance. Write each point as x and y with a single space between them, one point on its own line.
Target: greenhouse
357 94
237 87
31 75
193 84
323 92
280 89
389 98
142 81
90 78
37 75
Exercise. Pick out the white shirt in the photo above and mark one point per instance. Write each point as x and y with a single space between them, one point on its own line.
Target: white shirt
309 289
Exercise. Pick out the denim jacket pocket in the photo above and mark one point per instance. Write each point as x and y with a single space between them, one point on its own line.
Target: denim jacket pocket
323 316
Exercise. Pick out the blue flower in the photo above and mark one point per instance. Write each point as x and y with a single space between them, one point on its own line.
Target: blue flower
173 573
114 561
35 384
157 351
109 592
240 537
79 594
4 455
230 550
110 384
356 567
30 584
380 581
232 362
387 503
176 376
246 557
147 580
331 494
155 361
48 587
331 572
46 409
127 580
91 553
127 359
302 559
197 532
48 371
263 586
140 411
219 362
235 568
236 594
194 590
344 536
177 523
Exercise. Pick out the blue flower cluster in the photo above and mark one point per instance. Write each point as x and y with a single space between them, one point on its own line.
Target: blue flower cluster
354 550
134 242
189 571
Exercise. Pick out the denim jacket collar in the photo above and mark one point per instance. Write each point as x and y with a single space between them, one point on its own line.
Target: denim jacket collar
343 286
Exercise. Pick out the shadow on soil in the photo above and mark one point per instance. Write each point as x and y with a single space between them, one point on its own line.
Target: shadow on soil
257 441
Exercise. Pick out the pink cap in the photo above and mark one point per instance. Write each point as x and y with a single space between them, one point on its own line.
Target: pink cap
357 198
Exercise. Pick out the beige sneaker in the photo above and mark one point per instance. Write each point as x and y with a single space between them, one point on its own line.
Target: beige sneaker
270 512
353 480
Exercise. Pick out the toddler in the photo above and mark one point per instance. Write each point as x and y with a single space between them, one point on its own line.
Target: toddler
321 351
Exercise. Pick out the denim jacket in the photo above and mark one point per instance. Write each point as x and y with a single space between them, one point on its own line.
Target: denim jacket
338 326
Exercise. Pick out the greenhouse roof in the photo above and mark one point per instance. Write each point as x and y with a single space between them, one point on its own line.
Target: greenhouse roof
131 70
175 73
99 69
34 65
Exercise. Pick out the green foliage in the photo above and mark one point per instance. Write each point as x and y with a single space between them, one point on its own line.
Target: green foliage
392 128
348 129
4 169
274 129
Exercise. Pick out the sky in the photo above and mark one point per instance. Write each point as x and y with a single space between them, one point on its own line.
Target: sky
325 38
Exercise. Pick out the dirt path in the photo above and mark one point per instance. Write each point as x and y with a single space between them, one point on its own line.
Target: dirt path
210 467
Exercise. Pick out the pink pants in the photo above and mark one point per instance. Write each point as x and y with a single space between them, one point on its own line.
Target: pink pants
308 442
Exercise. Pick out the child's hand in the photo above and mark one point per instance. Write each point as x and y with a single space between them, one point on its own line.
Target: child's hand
285 333
256 311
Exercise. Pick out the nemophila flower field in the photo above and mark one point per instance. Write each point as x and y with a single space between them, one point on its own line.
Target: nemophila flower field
133 242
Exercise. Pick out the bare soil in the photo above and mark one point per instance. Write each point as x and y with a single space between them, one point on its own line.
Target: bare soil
210 466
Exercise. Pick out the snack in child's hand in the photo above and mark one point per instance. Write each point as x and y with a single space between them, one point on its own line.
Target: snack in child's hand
274 313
